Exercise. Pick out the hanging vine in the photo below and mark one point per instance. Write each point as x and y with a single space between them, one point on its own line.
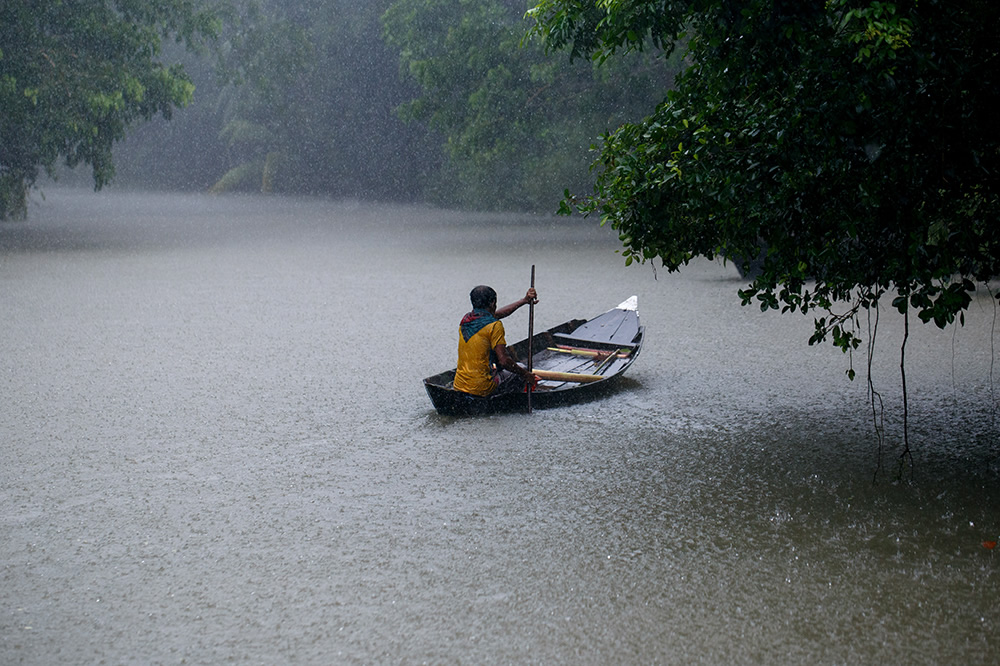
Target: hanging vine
907 454
878 411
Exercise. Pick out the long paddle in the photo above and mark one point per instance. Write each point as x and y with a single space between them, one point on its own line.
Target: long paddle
531 335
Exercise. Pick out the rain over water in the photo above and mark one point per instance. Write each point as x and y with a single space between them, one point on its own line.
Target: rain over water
216 448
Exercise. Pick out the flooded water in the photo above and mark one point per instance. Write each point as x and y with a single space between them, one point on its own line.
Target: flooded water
216 448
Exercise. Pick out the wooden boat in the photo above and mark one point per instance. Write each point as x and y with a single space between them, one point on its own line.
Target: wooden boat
577 361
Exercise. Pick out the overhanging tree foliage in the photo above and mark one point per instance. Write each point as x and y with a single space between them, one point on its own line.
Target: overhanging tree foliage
853 143
75 75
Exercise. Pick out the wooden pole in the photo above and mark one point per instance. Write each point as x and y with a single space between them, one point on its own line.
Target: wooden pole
531 335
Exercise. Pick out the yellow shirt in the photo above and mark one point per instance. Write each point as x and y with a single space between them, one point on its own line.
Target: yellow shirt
474 374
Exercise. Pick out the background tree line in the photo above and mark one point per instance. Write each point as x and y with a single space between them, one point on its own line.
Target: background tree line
419 100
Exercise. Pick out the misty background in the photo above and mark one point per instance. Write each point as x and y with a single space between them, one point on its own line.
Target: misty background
408 101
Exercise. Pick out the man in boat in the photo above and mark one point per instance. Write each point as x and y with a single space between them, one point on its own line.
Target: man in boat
485 365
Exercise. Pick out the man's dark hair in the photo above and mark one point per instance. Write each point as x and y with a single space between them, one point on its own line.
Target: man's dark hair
482 296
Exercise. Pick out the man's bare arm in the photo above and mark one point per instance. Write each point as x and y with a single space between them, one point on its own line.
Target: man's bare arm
507 362
530 297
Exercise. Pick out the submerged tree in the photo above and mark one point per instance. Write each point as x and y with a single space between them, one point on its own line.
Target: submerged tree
75 75
853 144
